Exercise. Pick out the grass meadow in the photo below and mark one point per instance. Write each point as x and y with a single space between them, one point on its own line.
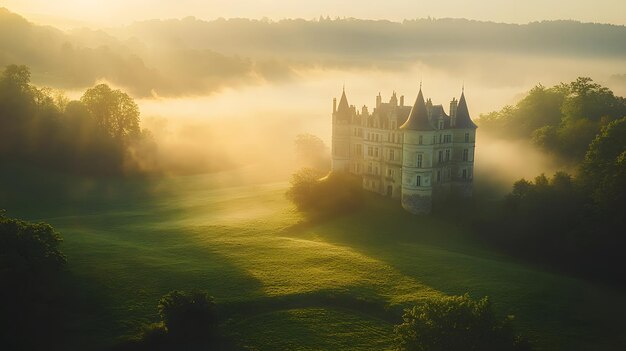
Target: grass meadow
284 284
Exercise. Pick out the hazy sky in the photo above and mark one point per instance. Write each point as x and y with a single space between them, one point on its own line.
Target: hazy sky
68 13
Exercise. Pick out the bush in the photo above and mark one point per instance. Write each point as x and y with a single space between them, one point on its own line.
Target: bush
33 291
27 250
189 321
188 314
456 323
317 197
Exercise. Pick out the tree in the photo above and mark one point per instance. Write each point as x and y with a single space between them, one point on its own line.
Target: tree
113 110
27 250
188 314
603 172
312 152
333 194
456 323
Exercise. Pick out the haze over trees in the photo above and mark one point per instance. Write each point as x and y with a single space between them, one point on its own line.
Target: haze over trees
191 56
562 120
97 136
573 222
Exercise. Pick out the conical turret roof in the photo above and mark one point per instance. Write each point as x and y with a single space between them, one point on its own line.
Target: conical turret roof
418 118
343 107
463 119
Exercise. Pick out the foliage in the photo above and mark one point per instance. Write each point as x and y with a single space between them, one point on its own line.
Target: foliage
312 152
563 119
113 110
455 323
32 289
603 172
336 193
188 313
27 250
188 321
98 135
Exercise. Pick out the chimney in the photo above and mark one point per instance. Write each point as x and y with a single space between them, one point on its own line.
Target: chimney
453 106
402 101
334 105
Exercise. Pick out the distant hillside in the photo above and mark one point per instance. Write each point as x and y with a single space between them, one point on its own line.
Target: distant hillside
190 56
382 38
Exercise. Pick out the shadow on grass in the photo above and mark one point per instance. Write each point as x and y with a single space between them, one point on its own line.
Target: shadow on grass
555 311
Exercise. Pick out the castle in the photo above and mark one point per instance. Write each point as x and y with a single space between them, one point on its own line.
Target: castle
418 154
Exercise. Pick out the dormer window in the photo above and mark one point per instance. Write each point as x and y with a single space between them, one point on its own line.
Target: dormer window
441 124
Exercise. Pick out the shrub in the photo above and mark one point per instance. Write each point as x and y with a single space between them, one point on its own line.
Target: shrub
27 249
337 192
456 323
188 314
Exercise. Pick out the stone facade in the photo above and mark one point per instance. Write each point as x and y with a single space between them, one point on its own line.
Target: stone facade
417 153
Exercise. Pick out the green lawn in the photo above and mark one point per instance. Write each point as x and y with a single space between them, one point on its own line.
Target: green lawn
244 244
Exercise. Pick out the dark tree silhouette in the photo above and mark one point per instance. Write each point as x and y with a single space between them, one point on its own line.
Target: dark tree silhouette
456 323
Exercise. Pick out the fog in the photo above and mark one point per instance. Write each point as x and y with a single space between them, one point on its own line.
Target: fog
217 102
255 127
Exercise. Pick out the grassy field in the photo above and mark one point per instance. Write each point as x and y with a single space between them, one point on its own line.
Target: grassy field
291 286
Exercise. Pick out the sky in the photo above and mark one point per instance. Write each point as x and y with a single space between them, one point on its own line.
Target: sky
95 13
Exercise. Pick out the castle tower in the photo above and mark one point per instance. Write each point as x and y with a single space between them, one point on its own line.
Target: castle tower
453 106
342 117
417 162
463 151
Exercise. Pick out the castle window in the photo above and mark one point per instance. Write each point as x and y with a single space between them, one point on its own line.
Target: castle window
448 155
440 124
465 154
418 181
447 138
368 136
377 171
438 176
419 161
467 137
420 140
391 155
439 138
440 156
465 174
370 151
359 150
369 168
375 152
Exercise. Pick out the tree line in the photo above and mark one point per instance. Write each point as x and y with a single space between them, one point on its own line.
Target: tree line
97 135
573 222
